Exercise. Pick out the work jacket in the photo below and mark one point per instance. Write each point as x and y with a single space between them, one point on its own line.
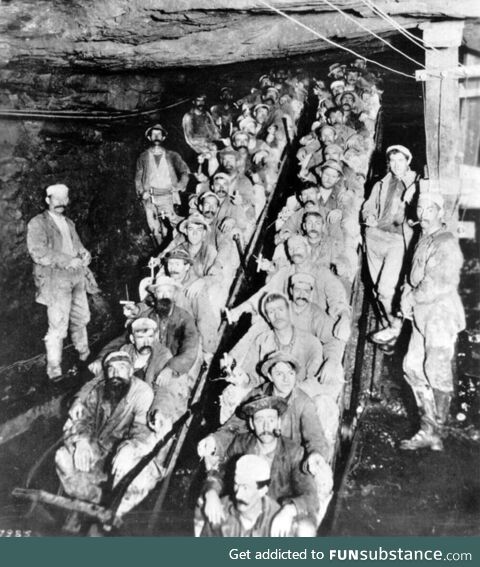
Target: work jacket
44 242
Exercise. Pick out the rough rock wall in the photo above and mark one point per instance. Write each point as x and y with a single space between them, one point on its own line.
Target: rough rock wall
146 34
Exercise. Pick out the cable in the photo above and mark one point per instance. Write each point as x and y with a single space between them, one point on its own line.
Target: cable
334 43
354 20
75 115
418 41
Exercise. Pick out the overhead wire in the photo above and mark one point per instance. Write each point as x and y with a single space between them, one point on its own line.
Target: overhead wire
371 32
331 42
97 116
418 41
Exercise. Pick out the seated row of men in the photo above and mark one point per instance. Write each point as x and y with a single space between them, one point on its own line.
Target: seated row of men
292 351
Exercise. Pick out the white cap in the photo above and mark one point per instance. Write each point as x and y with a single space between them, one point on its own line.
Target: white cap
252 468
402 149
58 190
143 324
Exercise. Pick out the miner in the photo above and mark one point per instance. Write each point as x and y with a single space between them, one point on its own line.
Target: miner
431 300
62 277
161 176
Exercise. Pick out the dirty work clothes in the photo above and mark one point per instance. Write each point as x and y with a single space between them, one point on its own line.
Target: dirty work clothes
299 422
329 293
63 291
288 482
232 525
385 253
437 311
146 177
388 203
178 332
104 428
154 365
254 347
315 321
386 243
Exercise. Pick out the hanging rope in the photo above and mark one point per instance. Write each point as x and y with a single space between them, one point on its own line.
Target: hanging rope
333 43
358 23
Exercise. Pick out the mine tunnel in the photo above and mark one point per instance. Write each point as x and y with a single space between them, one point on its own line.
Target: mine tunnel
79 90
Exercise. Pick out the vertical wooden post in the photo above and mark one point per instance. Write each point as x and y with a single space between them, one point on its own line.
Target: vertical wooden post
442 108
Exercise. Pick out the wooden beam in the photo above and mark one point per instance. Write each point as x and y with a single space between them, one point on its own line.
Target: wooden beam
459 73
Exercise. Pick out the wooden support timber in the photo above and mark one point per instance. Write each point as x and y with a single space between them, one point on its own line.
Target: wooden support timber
442 109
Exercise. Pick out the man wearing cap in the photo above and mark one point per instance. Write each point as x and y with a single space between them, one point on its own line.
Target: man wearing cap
148 355
293 489
387 236
329 292
194 297
62 278
104 441
177 331
250 512
160 175
431 301
281 334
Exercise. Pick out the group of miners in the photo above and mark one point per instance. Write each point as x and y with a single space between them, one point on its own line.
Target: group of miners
268 467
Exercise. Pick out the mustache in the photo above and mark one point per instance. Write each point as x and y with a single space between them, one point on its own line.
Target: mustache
274 433
302 298
146 349
208 214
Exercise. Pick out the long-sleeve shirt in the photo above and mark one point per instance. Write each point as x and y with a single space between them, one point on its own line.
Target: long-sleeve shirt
106 426
299 422
46 248
288 483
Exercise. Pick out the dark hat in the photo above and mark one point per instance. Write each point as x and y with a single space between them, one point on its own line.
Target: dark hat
261 402
276 357
155 127
179 254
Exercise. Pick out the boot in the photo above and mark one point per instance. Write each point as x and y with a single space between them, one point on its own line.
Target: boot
427 437
442 404
54 347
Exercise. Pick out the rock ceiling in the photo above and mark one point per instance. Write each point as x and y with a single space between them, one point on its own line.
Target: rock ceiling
117 35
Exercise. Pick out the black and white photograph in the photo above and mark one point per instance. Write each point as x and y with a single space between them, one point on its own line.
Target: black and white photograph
239 289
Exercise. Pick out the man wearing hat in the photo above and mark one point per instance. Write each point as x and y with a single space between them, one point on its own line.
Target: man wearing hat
104 441
387 237
292 488
299 423
431 301
250 512
160 175
62 278
336 71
